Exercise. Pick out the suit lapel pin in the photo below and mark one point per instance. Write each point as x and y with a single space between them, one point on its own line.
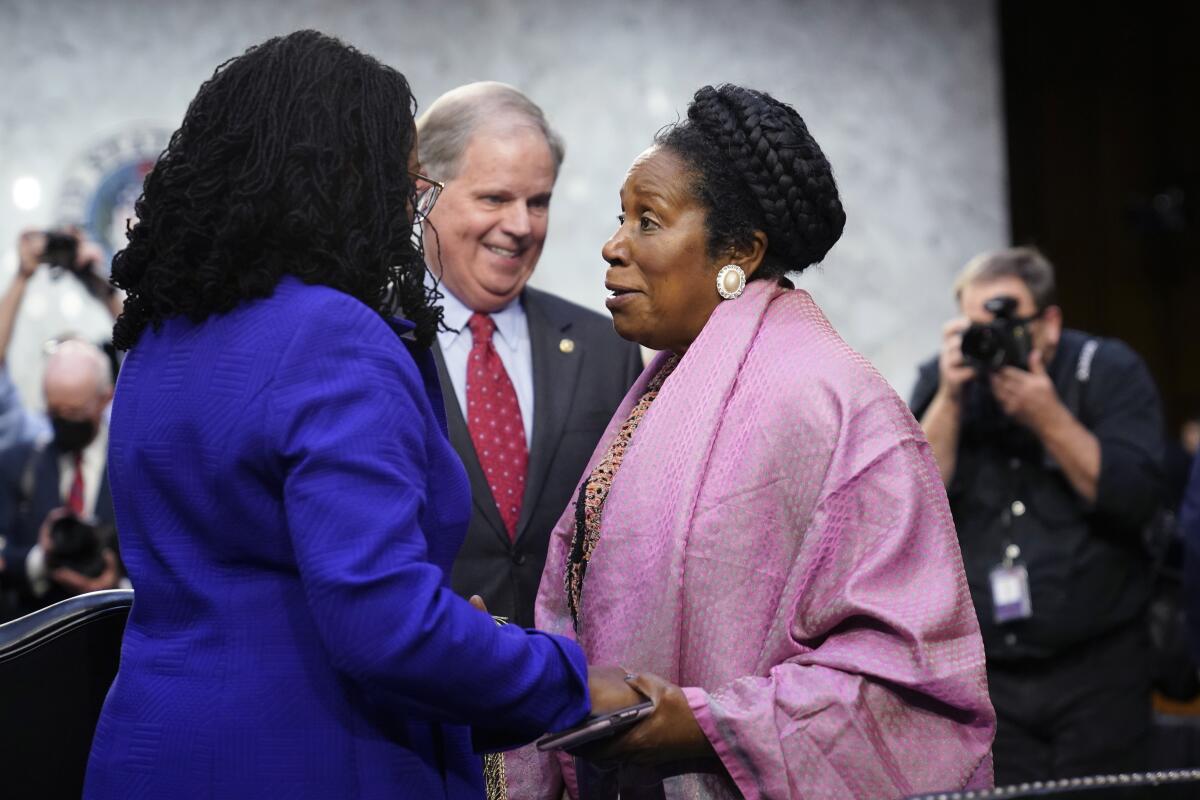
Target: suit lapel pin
566 346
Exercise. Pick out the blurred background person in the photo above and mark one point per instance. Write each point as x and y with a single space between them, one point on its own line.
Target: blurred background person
55 503
1180 457
1189 525
17 423
287 499
55 507
761 534
1049 441
529 380
65 251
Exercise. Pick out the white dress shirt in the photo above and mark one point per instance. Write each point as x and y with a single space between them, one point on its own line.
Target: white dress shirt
511 341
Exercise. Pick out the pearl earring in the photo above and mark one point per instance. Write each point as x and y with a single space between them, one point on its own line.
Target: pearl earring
731 281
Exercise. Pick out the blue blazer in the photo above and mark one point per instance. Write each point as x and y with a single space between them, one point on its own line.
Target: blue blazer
289 507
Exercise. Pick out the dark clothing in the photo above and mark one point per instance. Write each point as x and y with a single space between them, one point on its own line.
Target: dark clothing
1177 464
1088 572
1084 712
1189 526
576 390
1071 683
25 500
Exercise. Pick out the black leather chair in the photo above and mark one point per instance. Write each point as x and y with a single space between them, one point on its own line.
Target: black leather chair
56 665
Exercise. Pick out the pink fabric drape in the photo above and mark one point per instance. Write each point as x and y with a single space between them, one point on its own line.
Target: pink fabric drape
778 542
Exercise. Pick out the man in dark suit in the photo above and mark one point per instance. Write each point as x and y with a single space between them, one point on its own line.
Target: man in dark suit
530 380
42 482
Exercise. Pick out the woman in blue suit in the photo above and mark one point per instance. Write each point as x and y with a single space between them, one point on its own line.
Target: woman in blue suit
287 500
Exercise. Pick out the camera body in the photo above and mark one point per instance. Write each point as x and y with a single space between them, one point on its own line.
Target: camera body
61 250
1006 341
78 545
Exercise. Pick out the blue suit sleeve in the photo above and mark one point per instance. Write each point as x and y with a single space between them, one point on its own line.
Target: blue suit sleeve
348 416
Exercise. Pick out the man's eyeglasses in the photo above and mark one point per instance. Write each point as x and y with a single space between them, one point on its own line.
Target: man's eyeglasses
428 191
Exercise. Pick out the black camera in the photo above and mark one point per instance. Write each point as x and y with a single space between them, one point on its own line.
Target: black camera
1003 342
78 545
60 253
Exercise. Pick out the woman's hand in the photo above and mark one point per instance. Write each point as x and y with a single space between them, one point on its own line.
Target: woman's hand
670 733
609 690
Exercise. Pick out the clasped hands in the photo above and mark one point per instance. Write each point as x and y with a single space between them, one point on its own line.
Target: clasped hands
670 733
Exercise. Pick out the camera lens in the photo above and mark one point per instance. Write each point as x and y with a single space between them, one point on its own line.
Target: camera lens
981 343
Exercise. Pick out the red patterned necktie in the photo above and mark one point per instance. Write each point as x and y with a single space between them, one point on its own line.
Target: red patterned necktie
75 496
494 420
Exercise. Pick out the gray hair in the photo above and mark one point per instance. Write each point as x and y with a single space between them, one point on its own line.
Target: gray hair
1025 263
446 127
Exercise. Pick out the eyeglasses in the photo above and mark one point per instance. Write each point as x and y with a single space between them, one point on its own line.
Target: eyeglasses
428 194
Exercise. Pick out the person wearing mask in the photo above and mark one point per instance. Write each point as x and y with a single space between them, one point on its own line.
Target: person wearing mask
49 484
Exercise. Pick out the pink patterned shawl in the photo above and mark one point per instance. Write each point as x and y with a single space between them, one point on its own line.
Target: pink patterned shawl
778 542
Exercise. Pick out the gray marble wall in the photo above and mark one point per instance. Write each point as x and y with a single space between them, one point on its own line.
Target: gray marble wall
904 97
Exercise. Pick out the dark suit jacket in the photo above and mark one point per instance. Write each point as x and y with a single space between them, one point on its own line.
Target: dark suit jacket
574 394
21 516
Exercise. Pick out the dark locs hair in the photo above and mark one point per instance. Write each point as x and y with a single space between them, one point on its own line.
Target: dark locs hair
757 168
291 159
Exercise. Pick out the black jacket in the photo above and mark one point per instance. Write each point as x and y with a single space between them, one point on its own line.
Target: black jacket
576 390
23 507
1088 570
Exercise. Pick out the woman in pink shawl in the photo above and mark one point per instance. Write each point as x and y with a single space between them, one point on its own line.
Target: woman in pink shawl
762 536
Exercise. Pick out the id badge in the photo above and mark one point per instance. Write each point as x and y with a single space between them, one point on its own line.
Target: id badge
1010 593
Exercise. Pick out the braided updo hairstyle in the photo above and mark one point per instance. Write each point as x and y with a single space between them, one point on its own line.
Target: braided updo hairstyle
757 168
291 159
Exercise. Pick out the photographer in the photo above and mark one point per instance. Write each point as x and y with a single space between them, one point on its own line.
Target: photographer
65 252
41 562
1049 442
69 252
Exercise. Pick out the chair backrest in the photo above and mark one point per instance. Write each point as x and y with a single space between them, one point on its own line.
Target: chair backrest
56 665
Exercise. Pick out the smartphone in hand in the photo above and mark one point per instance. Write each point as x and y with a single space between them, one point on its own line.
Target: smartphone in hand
598 727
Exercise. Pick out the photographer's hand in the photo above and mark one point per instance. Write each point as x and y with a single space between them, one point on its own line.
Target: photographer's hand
953 372
79 583
1031 399
45 542
88 257
942 419
31 249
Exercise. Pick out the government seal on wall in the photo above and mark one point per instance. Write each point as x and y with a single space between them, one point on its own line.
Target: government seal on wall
102 184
